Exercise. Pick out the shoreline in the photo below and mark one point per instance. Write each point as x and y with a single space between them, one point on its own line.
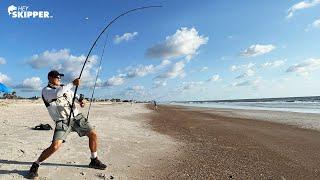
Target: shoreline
222 146
248 107
298 119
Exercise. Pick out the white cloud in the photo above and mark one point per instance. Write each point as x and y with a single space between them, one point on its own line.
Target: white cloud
273 64
143 70
214 78
4 78
233 68
31 84
246 69
98 85
140 71
247 73
306 67
257 49
136 88
301 5
176 70
316 23
185 42
133 72
191 85
2 60
64 62
137 92
48 58
125 37
115 81
159 83
242 67
242 83
204 69
165 62
254 83
250 69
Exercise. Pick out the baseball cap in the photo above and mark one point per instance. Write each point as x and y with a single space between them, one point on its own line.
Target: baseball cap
54 73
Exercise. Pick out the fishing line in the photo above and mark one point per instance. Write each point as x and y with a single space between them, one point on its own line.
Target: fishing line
98 72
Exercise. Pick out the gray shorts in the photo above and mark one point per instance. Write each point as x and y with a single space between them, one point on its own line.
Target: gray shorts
79 124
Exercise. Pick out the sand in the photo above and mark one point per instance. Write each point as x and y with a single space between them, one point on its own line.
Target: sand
227 144
126 143
171 143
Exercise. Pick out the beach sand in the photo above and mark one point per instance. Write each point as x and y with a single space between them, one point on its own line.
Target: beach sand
127 145
172 143
240 144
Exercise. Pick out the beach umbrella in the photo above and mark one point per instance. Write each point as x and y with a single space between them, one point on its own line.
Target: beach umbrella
4 88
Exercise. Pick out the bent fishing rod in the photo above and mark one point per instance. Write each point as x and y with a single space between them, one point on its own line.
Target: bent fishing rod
95 42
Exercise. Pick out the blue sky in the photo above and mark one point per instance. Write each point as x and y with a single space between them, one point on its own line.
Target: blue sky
195 50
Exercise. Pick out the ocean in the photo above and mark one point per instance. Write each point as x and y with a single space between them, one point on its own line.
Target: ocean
310 104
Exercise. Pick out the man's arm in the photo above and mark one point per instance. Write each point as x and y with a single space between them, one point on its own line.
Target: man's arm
50 93
76 82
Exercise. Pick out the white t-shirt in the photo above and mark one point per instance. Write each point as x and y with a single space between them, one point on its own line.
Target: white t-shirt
59 99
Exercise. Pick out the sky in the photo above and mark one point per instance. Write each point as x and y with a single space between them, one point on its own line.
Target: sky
195 50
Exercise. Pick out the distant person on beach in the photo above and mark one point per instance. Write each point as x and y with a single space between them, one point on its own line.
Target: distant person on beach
155 106
58 100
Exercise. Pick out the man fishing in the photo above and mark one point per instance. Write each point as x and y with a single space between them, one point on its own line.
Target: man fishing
58 100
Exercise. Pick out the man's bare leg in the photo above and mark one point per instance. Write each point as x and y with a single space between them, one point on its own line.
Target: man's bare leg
93 141
93 145
55 145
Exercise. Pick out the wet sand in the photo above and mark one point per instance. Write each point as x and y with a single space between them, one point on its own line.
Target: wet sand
217 145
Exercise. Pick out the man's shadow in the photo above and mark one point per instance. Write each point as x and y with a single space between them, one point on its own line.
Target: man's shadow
15 171
25 172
